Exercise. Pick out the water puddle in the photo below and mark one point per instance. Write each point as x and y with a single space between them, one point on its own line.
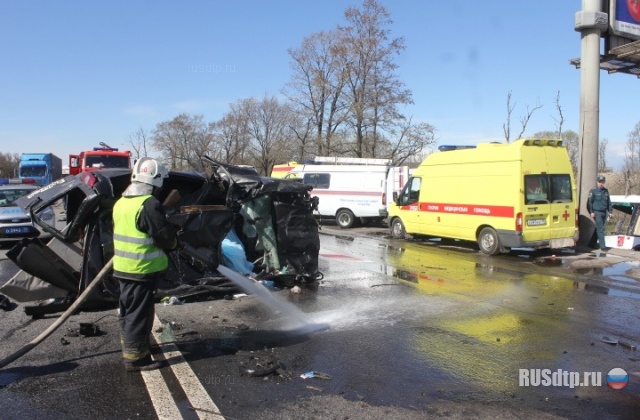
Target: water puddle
605 290
619 271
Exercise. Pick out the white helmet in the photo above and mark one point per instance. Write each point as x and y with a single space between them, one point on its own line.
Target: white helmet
149 171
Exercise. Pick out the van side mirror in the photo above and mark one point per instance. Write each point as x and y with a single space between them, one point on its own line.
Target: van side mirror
395 196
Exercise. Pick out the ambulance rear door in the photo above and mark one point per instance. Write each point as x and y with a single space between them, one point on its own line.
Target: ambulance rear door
549 210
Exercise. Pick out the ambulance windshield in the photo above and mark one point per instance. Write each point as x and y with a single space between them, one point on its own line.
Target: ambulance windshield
411 192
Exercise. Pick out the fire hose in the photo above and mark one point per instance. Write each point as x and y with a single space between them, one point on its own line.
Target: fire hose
170 200
61 320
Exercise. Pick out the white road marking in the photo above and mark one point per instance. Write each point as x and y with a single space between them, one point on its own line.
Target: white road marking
160 395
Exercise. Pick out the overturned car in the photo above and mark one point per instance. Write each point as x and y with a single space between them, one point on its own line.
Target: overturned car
261 227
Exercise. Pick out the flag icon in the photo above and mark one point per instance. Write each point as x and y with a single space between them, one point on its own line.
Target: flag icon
617 378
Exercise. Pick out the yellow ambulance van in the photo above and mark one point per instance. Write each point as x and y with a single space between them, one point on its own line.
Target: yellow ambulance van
515 195
282 169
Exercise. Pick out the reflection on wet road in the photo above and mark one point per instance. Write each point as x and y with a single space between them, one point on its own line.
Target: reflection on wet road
414 328
470 322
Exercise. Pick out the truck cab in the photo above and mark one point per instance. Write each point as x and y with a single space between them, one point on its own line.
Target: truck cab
39 168
99 158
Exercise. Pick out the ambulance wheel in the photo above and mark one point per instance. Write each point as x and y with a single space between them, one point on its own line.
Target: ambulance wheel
345 218
397 229
488 241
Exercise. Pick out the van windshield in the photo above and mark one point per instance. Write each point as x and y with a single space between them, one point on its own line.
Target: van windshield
317 180
411 192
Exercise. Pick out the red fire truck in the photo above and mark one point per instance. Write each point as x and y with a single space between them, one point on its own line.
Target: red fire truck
99 158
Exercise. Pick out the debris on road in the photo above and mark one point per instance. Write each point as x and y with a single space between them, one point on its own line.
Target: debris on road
314 374
615 341
259 364
6 304
171 301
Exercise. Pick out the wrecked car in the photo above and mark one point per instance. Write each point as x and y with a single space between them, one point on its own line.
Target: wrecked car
262 227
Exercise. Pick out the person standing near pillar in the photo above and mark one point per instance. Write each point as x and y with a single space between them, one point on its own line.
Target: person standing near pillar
600 208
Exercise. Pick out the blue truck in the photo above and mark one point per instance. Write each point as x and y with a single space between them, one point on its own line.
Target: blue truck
42 168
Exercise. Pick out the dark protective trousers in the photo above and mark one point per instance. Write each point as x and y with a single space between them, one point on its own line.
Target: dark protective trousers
137 312
601 221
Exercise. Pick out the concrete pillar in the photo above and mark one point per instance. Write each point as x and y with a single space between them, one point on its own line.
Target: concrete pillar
590 22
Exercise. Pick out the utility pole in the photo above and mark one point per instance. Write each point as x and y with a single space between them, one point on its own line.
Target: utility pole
590 22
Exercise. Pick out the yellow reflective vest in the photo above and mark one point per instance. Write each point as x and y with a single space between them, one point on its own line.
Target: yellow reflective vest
134 251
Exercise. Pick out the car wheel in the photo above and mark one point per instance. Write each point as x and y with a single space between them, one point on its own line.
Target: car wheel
345 218
397 229
488 241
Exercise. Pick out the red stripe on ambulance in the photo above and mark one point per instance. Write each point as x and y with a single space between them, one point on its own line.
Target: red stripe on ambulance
470 209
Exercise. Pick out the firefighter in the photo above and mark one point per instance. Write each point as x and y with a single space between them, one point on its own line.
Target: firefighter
600 208
141 234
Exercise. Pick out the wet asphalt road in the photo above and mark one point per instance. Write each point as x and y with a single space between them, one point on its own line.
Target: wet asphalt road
415 331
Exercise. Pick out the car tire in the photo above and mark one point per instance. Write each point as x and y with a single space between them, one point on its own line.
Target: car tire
397 229
489 242
345 218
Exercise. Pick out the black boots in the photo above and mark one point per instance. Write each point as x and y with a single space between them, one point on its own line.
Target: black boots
146 363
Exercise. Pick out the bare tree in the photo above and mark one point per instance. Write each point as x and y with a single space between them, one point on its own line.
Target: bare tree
302 130
602 155
569 138
316 89
412 139
572 144
345 99
9 163
506 127
366 55
183 141
560 119
138 141
268 128
631 165
232 137
386 93
524 120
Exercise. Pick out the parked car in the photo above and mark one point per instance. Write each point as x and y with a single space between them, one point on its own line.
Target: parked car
206 207
15 224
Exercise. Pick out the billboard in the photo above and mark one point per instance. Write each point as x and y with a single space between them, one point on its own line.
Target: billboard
625 18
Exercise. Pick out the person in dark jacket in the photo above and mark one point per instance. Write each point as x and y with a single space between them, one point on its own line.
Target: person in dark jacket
141 234
599 207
